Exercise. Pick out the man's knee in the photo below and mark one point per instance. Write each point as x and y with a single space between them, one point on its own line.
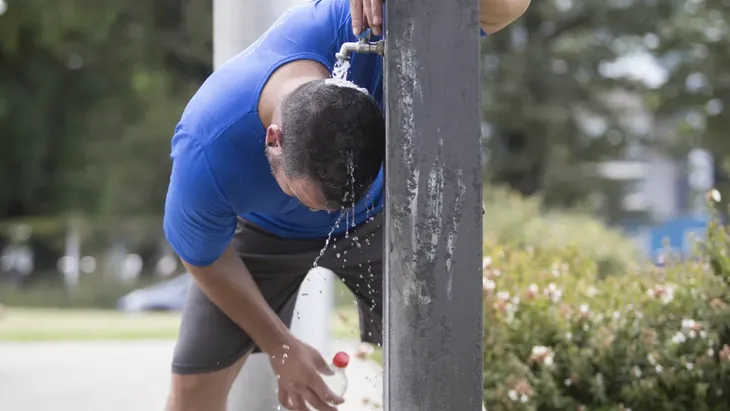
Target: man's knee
196 393
202 392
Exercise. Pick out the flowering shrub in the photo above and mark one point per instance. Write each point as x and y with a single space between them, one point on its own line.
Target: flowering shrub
560 336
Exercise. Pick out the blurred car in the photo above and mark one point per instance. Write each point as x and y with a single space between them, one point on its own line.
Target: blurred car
166 296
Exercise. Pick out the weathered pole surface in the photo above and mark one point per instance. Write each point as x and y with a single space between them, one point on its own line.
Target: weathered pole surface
433 248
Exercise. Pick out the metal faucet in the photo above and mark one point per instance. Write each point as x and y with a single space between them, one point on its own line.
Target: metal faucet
363 45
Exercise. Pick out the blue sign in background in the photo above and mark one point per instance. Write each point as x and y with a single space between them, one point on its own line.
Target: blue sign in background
678 236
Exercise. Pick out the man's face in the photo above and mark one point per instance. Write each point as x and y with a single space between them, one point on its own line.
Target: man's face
302 189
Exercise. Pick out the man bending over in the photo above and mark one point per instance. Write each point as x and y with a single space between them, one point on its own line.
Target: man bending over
267 155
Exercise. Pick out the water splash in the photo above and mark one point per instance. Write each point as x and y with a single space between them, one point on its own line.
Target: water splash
351 172
343 212
327 242
341 69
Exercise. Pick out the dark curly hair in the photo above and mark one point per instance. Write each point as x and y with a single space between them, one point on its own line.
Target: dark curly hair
333 136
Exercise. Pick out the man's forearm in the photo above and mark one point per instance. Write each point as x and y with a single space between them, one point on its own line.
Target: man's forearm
494 15
230 286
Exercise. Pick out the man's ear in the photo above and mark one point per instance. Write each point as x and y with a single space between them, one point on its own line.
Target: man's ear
273 137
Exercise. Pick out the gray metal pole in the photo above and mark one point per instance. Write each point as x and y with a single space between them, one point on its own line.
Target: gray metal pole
236 25
433 297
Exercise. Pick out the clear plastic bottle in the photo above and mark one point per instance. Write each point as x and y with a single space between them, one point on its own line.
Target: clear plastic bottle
337 382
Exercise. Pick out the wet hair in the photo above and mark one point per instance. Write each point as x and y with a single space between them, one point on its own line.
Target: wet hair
333 135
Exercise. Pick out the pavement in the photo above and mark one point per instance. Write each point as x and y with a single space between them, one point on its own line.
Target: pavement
123 376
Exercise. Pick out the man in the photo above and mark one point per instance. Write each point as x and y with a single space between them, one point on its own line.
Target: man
270 158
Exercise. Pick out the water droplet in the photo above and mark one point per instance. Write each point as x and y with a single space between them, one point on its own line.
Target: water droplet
327 242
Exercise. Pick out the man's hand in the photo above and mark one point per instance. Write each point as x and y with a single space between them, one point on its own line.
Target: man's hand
494 15
298 367
366 13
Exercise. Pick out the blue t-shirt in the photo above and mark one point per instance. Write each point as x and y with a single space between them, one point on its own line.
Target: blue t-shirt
220 170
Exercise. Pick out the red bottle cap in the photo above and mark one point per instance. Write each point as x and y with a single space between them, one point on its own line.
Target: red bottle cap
341 360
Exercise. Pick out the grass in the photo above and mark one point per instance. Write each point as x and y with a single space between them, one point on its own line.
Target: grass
28 325
20 324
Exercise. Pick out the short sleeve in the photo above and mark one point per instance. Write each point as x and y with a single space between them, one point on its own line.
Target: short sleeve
198 222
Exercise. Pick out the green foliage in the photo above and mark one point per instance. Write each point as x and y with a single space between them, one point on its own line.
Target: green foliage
560 337
89 96
555 109
90 92
514 221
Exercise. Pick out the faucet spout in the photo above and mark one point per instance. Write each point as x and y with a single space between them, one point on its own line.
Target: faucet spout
363 45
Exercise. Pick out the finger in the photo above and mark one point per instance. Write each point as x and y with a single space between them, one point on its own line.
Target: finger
367 12
316 402
321 365
357 16
296 402
284 398
323 392
376 16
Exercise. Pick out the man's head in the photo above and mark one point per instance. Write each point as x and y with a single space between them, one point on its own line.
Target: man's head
329 144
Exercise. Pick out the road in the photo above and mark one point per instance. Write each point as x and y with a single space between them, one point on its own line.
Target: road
119 376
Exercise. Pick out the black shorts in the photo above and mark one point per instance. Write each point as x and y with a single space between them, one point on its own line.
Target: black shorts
210 341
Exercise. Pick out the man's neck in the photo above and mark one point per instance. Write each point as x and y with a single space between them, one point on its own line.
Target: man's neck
283 82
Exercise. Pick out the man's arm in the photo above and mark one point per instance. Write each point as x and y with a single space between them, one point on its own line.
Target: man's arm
494 15
229 284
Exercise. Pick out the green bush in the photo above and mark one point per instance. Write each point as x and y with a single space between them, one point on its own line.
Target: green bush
560 336
511 220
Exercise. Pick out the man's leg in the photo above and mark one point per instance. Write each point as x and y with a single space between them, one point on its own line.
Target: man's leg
360 266
209 353
211 348
206 391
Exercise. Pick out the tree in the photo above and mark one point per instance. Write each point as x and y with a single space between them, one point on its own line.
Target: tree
559 86
89 95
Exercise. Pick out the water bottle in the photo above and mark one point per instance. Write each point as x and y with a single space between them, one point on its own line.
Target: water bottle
337 382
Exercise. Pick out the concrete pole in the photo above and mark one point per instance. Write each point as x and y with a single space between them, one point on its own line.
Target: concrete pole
236 25
433 297
72 257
